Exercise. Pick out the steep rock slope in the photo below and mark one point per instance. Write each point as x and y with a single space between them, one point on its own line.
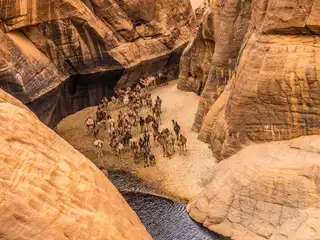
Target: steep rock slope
45 42
274 87
209 60
266 191
49 190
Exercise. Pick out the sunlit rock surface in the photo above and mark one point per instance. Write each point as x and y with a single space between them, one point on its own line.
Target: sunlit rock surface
273 81
209 59
46 42
49 190
266 191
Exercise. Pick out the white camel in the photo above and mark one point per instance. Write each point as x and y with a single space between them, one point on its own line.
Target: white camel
119 149
126 100
98 144
89 124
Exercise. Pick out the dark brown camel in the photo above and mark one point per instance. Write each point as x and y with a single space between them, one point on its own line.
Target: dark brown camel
176 128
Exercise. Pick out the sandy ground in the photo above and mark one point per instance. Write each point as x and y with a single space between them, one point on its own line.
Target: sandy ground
196 3
181 177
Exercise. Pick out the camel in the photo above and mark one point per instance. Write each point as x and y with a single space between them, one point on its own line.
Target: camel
98 144
166 132
152 81
96 128
158 102
114 100
149 81
149 119
149 104
161 138
146 138
170 141
155 126
104 103
157 113
141 122
182 144
119 149
145 152
152 159
126 139
176 128
89 124
126 100
110 122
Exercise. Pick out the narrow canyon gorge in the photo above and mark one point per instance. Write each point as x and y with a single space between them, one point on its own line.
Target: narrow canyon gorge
239 78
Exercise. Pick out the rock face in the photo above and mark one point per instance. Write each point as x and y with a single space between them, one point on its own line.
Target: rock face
46 42
209 59
49 190
273 92
266 191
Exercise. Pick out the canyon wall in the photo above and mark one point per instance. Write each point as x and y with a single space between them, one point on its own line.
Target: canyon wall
209 60
270 92
266 191
44 44
50 191
273 80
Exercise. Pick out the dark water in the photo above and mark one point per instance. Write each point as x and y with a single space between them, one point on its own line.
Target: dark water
163 218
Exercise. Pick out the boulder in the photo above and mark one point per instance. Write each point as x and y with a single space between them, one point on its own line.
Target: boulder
50 191
266 191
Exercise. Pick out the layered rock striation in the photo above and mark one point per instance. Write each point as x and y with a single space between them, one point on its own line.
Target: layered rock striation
46 42
209 59
266 191
49 190
273 87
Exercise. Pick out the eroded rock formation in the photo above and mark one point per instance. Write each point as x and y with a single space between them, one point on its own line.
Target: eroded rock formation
46 42
49 190
209 59
266 191
274 85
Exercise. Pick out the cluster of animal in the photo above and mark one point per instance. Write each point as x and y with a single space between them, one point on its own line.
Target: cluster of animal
121 131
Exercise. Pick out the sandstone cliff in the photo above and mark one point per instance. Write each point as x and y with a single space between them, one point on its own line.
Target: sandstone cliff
51 191
45 42
267 191
209 59
274 85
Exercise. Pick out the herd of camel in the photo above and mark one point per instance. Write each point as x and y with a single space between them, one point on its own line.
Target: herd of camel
122 131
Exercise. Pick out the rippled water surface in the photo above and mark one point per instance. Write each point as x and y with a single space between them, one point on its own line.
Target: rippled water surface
163 218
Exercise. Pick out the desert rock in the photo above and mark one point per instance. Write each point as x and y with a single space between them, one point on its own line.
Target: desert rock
51 191
266 191
209 60
272 84
100 42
